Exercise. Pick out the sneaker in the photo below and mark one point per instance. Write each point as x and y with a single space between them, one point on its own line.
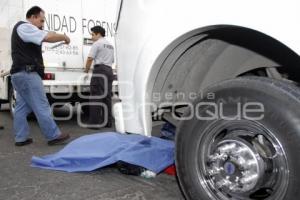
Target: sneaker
60 140
26 142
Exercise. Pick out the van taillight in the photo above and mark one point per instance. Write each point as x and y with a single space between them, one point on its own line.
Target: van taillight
49 76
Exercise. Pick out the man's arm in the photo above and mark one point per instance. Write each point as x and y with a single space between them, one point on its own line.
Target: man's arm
92 55
88 64
30 33
55 37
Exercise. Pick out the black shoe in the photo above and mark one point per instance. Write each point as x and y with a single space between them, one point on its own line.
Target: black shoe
26 142
1 127
60 140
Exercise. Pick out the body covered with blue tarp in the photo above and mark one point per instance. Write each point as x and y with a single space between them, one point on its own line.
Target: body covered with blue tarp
94 151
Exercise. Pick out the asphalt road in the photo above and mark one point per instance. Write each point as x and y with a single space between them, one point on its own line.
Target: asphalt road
19 181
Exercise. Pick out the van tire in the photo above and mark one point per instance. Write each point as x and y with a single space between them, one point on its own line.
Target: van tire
203 162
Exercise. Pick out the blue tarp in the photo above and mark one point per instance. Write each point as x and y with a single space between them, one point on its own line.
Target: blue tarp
92 152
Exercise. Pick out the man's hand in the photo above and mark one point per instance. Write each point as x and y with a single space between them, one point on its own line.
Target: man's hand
3 73
86 70
67 39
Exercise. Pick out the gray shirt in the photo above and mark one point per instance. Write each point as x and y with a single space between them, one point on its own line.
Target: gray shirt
102 52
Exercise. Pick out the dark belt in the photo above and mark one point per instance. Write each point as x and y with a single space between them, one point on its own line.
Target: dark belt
101 65
26 68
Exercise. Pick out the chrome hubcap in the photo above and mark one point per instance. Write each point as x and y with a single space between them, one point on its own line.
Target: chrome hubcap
234 166
242 160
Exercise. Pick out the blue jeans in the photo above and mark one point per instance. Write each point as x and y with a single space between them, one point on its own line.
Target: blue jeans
31 97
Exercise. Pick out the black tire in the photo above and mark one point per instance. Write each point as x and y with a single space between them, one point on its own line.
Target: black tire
198 143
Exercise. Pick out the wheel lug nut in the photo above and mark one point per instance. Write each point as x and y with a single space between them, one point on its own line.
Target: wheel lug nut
223 183
233 187
250 164
241 150
237 179
249 179
217 156
227 147
215 171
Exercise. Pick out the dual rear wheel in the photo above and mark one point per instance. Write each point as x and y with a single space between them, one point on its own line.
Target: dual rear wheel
242 144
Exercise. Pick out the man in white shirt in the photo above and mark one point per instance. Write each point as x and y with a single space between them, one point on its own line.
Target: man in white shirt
102 54
27 72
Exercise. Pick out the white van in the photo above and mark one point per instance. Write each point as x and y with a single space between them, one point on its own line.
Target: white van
226 74
64 80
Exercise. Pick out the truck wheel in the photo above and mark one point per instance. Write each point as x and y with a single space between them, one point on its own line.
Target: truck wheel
12 101
243 143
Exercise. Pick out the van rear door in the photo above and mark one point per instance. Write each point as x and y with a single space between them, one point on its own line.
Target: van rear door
62 16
